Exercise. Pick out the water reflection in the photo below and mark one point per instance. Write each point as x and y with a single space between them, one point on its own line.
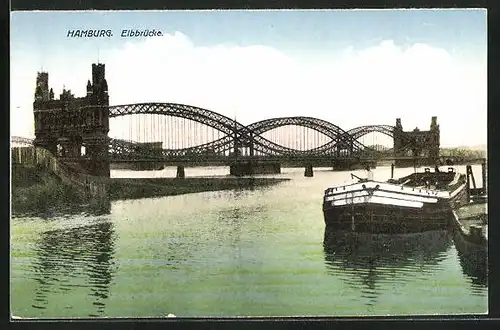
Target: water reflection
49 211
221 230
473 259
100 207
178 251
69 259
233 222
365 261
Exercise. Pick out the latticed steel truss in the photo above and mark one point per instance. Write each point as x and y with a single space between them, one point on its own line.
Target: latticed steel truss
358 132
340 138
245 136
388 130
238 135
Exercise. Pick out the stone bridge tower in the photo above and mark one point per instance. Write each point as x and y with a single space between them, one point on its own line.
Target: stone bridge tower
417 143
65 125
434 140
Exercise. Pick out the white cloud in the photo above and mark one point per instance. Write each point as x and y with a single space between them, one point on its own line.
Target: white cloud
353 88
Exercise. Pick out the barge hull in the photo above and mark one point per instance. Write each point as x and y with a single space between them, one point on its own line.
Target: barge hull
381 218
378 207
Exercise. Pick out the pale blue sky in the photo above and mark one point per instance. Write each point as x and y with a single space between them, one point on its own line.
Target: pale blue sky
351 68
289 31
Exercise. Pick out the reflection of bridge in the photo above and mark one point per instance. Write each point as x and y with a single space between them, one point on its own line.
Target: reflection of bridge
77 130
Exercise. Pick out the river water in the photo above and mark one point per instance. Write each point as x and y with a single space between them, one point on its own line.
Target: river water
260 252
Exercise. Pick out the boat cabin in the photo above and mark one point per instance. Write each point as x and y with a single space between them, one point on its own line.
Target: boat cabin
429 180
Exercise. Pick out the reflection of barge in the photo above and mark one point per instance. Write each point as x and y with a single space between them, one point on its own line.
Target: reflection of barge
418 202
401 251
372 261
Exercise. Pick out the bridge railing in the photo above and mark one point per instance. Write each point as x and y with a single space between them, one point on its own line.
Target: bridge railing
90 185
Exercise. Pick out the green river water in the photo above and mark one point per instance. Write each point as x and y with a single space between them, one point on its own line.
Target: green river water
259 252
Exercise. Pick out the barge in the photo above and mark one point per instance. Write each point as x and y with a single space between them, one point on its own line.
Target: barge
421 201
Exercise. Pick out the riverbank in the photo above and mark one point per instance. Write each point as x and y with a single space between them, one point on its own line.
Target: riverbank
34 189
153 187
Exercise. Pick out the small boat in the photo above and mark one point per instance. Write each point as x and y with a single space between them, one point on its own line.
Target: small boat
471 222
418 202
470 234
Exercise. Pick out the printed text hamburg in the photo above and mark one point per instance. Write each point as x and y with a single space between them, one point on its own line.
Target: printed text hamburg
129 33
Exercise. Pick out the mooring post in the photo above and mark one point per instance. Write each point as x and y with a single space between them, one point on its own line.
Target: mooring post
392 171
180 172
467 171
308 171
469 167
483 172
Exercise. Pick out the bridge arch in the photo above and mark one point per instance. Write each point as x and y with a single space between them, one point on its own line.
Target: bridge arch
332 131
360 131
232 129
200 115
387 130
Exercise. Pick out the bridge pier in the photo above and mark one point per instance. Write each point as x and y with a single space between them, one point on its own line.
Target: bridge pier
309 171
96 167
352 164
180 172
99 198
250 168
96 161
340 166
343 165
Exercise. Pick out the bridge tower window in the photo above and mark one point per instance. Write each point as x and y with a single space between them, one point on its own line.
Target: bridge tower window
60 150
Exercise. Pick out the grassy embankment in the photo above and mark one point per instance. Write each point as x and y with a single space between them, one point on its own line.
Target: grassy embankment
34 189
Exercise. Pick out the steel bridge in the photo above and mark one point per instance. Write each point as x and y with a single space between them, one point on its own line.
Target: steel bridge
245 141
322 139
236 137
88 131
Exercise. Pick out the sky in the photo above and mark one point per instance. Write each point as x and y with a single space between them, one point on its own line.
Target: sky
349 67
